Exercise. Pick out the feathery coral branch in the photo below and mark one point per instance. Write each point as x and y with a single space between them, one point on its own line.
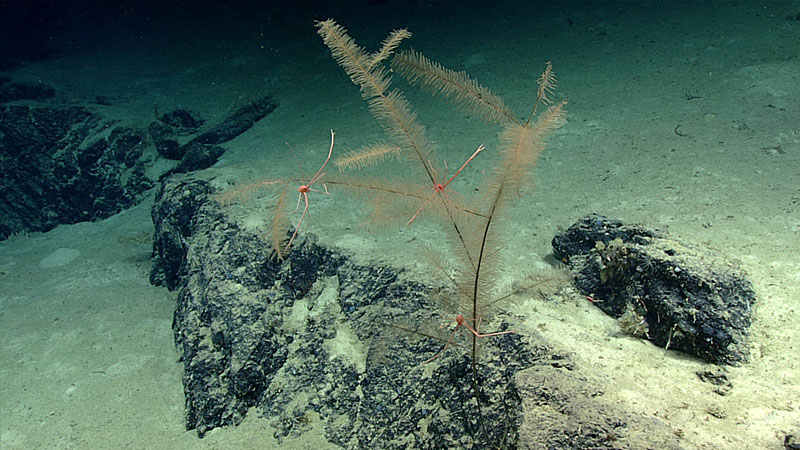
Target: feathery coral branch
387 46
457 87
366 157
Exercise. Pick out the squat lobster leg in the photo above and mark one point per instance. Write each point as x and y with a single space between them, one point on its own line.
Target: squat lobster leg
461 321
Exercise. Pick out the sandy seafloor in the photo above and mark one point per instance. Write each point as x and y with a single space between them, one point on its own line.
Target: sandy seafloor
87 358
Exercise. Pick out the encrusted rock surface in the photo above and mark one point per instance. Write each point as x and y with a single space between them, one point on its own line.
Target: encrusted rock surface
322 341
678 295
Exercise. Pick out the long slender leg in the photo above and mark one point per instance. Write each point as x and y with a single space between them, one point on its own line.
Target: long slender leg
421 207
498 333
452 335
302 216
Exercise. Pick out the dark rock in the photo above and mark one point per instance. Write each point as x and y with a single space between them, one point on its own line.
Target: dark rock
202 151
165 140
677 295
183 120
716 377
237 123
321 339
176 215
197 156
791 441
50 177
126 145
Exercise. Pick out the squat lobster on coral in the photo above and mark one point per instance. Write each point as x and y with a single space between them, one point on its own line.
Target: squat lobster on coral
440 188
277 227
304 190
